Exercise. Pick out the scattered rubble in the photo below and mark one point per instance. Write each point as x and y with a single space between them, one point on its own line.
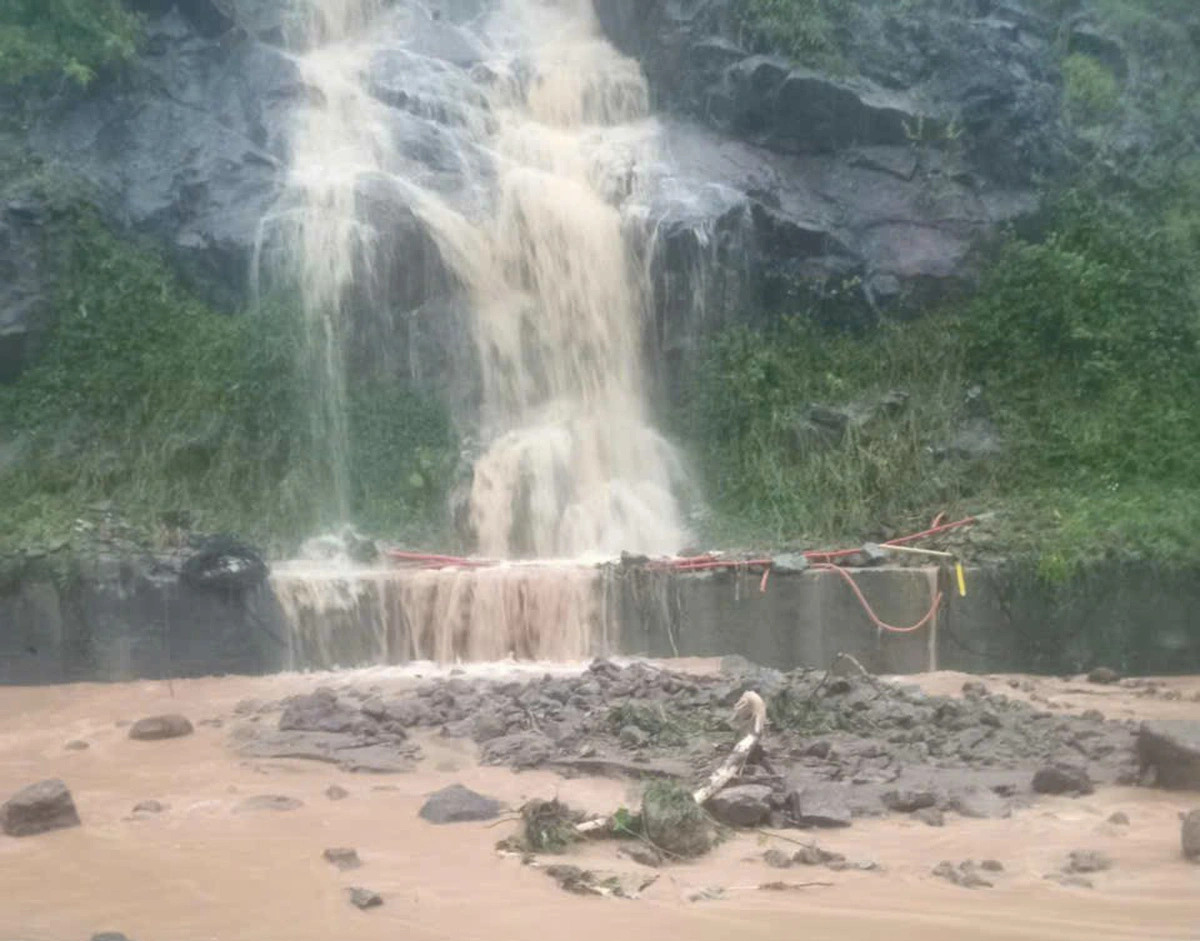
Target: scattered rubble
964 874
156 728
39 808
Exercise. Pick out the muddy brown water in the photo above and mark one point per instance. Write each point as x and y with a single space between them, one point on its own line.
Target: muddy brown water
200 871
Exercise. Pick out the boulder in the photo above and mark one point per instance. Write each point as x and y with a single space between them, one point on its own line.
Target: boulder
1172 750
458 804
817 806
39 808
156 728
746 805
1190 835
1062 778
906 802
335 792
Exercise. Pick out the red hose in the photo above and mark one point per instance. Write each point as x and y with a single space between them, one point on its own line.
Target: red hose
875 619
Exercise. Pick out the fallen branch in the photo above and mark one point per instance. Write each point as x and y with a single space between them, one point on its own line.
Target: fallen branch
732 767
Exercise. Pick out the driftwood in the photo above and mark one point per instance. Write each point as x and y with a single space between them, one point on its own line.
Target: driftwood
751 703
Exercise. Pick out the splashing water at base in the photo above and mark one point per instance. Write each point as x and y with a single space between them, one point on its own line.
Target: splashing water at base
533 611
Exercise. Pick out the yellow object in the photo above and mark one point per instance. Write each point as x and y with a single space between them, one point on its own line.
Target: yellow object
962 580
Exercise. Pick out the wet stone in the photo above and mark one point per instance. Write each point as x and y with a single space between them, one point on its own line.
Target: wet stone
149 807
343 857
157 728
335 792
1190 835
931 816
458 804
39 808
1062 778
1120 819
268 802
365 898
77 745
747 805
777 859
1086 861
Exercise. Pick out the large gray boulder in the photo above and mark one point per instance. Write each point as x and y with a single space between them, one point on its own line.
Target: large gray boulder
746 805
1171 750
156 728
39 808
458 804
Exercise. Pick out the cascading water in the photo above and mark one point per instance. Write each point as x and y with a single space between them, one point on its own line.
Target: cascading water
571 467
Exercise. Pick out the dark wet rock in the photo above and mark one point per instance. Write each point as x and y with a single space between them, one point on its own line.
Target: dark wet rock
1062 778
149 807
77 745
157 728
39 808
1171 750
978 803
1086 861
1189 835
458 804
487 726
931 816
747 805
520 750
820 806
973 689
992 865
271 802
344 857
777 859
814 855
365 898
335 792
320 712
1103 675
109 936
905 802
1119 818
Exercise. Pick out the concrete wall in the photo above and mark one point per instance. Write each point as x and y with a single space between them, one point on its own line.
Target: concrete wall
116 620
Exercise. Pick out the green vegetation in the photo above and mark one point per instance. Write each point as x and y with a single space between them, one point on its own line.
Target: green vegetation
146 399
1090 88
1079 357
802 29
73 39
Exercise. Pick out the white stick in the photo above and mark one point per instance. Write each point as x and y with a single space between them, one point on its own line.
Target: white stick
753 703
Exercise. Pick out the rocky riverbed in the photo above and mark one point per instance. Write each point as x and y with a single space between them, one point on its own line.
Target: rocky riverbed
231 830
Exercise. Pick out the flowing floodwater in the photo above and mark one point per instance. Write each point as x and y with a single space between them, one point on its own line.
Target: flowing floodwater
571 466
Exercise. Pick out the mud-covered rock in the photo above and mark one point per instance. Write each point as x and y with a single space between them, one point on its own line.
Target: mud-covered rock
343 857
820 806
458 804
156 728
365 898
1103 676
1087 861
149 807
1171 750
335 792
321 712
39 808
674 822
908 801
268 802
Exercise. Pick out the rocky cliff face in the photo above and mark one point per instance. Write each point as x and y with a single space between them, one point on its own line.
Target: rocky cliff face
873 185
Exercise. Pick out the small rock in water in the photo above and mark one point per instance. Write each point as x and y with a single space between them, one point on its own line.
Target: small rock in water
1075 882
109 936
1084 861
1103 675
813 855
964 874
344 857
267 802
1120 819
335 792
777 858
992 865
77 745
1062 778
458 804
156 728
365 898
149 807
1190 835
640 853
931 816
39 808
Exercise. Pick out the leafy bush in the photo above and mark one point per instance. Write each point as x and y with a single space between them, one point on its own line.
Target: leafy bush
1090 88
71 38
802 29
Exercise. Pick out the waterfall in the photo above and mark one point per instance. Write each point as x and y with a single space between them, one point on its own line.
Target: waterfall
553 131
